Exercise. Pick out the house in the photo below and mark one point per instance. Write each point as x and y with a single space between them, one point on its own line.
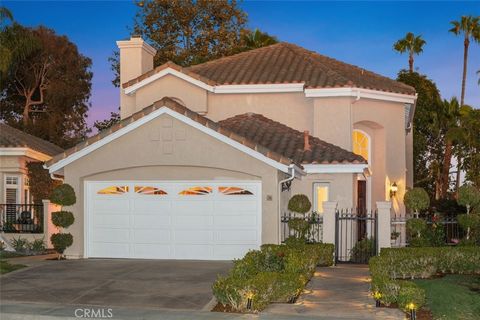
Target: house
18 213
17 148
205 158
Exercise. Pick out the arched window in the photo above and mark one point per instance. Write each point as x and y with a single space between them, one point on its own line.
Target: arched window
361 144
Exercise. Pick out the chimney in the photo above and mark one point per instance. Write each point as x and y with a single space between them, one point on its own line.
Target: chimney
306 141
136 58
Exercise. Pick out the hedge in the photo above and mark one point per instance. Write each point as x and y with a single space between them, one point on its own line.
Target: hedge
276 273
390 270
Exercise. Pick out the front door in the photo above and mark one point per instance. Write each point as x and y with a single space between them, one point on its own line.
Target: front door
362 208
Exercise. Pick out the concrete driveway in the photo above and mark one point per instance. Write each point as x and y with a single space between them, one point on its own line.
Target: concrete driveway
172 284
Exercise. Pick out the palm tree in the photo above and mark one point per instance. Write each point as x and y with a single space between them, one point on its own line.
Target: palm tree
411 44
257 39
469 26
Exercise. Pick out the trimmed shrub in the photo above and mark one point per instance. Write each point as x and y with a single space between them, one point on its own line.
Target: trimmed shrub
274 273
63 219
413 263
469 196
363 250
300 226
299 203
63 195
416 199
61 241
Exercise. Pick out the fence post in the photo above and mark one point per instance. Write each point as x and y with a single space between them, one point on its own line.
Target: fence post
329 208
383 224
48 227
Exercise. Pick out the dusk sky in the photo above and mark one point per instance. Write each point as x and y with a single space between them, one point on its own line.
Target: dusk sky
360 33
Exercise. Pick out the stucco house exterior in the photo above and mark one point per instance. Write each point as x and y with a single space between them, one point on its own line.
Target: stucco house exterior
205 158
20 214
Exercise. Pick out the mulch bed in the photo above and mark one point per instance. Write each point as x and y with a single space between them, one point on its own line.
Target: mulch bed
221 308
422 314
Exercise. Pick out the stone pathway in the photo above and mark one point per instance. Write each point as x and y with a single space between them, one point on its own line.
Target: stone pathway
340 292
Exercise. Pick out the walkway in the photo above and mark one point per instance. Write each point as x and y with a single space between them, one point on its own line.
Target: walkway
340 292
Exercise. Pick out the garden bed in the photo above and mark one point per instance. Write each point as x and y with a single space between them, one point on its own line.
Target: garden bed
393 267
276 273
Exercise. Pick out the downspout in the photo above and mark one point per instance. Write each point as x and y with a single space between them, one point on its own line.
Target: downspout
291 169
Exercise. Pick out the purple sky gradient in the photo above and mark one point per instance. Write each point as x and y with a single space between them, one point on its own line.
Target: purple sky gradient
361 33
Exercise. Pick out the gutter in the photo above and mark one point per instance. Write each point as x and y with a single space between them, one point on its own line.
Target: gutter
292 170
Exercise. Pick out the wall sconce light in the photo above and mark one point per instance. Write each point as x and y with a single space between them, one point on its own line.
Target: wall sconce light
393 190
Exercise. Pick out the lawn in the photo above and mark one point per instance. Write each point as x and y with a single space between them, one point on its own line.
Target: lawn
6 267
453 296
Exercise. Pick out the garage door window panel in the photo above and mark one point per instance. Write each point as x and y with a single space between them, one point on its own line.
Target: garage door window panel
234 191
114 190
148 190
196 191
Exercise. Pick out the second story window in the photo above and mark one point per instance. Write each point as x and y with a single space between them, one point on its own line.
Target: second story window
361 144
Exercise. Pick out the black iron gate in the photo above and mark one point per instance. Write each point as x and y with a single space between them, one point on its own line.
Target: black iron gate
355 235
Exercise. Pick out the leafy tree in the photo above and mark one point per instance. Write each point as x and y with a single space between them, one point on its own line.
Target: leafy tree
411 44
257 39
467 149
190 32
469 26
41 184
46 89
427 136
101 125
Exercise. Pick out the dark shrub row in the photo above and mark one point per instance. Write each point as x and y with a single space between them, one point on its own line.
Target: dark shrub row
395 264
276 273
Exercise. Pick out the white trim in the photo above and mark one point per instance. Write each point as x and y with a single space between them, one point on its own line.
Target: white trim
260 88
24 152
167 71
335 168
165 110
360 93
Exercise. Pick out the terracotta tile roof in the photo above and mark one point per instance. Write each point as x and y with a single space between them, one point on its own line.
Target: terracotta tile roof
286 63
279 142
14 138
287 141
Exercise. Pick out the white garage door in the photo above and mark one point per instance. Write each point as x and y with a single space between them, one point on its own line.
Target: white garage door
206 220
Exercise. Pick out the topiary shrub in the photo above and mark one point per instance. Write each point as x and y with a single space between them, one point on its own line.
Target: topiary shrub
471 223
416 199
299 203
63 219
469 196
63 195
61 241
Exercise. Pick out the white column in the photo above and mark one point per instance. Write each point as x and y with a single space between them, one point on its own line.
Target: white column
384 224
329 208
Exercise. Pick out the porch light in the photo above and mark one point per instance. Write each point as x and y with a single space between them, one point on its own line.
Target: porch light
393 190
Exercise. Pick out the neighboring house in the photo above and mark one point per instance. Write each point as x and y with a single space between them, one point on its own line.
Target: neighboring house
18 213
206 158
17 148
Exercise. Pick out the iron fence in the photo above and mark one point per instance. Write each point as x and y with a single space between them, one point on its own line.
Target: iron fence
21 218
314 232
452 231
355 235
